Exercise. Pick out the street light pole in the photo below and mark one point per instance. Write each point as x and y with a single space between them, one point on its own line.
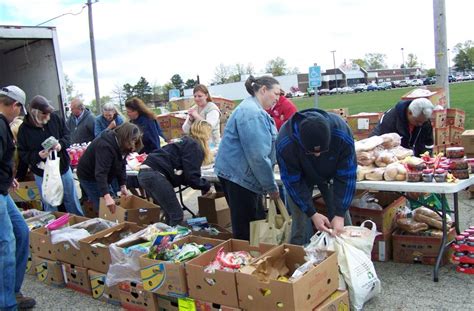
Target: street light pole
449 62
334 62
94 64
403 64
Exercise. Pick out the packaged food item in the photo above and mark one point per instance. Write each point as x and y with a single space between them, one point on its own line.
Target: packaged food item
362 170
384 158
391 140
427 175
401 153
415 164
455 152
458 164
414 176
49 142
395 171
460 174
376 174
365 158
368 143
59 223
440 175
429 217
410 225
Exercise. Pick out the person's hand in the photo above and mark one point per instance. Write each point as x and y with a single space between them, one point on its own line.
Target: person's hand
43 154
110 203
124 191
337 225
15 185
321 222
112 125
57 147
191 112
274 195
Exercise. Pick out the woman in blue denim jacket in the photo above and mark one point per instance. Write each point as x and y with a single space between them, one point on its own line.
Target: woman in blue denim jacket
244 163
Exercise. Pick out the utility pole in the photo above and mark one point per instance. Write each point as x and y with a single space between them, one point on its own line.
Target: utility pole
403 64
441 51
334 62
94 64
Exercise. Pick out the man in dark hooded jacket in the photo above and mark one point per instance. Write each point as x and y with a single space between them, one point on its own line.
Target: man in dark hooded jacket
316 148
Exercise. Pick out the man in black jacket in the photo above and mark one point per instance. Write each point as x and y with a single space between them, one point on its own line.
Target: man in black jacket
41 123
14 232
81 123
411 120
316 148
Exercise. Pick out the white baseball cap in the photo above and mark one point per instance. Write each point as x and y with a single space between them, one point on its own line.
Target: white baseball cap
15 93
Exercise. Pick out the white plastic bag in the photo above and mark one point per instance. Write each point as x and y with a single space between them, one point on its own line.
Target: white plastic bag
353 256
52 187
79 231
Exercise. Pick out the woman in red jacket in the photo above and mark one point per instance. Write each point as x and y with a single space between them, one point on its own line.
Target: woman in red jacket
282 110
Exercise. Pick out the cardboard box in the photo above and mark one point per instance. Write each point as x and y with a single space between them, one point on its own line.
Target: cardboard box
214 207
27 191
132 209
438 118
88 210
169 278
435 94
77 278
49 271
303 294
362 122
441 136
95 248
223 234
40 240
455 134
382 250
219 287
455 117
201 305
467 141
30 264
167 303
419 249
181 104
101 291
339 300
133 297
342 112
384 219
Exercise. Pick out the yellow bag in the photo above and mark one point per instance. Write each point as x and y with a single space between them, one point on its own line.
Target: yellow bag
275 229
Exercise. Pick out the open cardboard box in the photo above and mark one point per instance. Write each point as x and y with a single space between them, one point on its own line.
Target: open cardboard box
134 297
224 234
27 191
133 209
49 271
166 277
339 300
214 207
304 293
219 287
100 290
40 239
97 256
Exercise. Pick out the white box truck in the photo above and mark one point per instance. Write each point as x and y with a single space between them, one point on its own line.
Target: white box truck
30 59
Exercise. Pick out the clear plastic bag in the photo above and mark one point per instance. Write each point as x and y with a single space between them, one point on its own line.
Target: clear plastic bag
79 231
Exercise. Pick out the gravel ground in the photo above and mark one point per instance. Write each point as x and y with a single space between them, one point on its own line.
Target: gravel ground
404 286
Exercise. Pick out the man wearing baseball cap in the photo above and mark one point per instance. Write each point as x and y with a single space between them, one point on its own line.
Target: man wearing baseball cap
14 233
315 147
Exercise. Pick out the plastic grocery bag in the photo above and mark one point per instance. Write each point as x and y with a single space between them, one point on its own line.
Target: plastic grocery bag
353 256
52 187
275 229
79 231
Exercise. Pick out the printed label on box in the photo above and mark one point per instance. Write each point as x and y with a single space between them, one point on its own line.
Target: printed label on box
363 124
153 276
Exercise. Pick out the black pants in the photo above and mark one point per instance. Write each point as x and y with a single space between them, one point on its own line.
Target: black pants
245 206
162 192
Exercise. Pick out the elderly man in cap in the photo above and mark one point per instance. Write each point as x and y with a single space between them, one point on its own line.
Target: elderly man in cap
41 123
411 120
81 123
14 233
315 147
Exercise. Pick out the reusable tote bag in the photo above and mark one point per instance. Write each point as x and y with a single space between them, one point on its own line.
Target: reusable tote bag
52 186
275 229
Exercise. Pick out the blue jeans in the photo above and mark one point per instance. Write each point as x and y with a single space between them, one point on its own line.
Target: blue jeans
92 191
70 200
14 240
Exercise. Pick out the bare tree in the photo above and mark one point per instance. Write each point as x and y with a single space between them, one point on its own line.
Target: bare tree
221 74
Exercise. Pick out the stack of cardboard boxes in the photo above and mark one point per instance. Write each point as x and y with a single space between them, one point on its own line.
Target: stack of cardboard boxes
226 106
362 124
448 126
467 141
171 124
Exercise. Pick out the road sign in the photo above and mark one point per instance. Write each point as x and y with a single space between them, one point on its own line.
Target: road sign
314 76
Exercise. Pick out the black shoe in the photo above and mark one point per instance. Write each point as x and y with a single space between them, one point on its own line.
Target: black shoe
24 302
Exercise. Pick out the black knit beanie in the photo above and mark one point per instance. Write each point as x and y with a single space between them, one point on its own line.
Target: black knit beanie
314 132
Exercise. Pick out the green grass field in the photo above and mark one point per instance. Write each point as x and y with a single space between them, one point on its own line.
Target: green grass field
462 97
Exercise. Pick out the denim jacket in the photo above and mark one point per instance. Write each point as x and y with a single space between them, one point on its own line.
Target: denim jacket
247 150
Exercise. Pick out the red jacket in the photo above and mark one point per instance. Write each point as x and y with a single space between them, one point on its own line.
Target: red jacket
282 111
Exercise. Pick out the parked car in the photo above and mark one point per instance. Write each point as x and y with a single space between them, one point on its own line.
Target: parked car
451 78
361 87
467 77
385 85
310 91
298 94
416 82
372 87
289 95
323 92
459 78
429 80
347 90
335 90
403 83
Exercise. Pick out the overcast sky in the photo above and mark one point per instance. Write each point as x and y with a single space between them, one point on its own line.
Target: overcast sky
156 39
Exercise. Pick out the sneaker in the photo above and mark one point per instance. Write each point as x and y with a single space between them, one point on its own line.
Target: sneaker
24 302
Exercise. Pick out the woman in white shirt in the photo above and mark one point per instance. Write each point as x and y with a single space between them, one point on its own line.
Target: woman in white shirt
205 110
